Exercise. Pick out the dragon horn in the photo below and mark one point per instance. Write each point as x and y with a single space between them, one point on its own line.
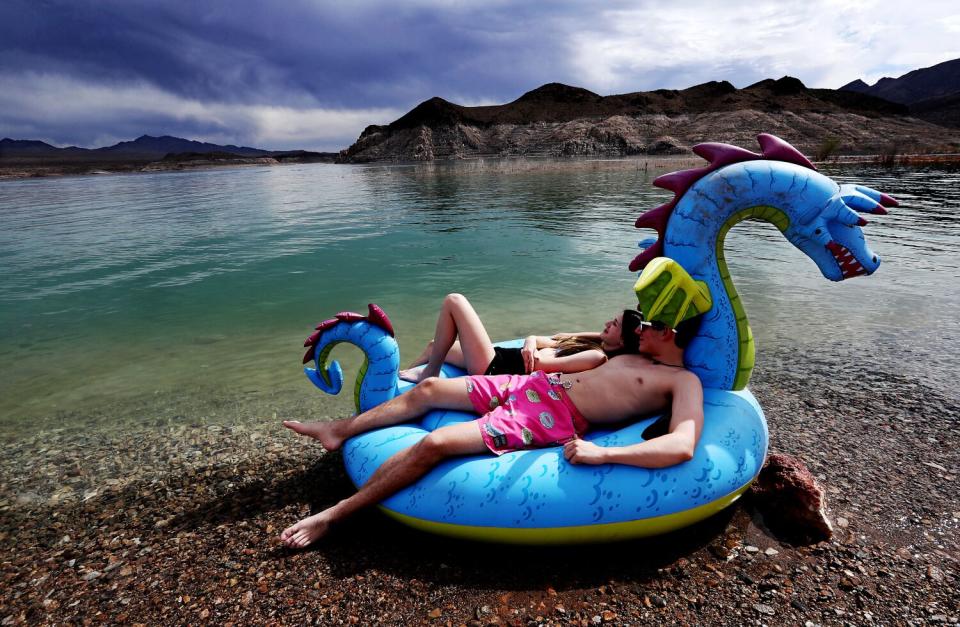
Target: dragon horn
850 218
857 198
379 318
880 197
775 148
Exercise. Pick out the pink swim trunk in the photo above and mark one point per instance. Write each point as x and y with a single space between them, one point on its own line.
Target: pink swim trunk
524 411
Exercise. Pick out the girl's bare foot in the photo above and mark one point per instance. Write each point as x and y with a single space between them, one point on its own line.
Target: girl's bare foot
414 374
306 531
325 432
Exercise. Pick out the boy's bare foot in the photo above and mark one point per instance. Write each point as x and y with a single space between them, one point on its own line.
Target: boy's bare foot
325 432
306 531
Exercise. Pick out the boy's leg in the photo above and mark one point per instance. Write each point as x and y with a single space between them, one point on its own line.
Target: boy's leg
432 393
399 471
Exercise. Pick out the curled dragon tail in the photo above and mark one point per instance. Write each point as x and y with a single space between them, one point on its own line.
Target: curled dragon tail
372 334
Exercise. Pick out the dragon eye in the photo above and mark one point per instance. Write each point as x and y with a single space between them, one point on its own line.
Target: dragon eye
818 231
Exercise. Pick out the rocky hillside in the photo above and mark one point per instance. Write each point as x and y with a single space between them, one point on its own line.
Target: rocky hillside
559 120
932 93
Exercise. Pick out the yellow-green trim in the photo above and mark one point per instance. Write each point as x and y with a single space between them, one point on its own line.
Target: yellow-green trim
322 361
582 534
322 369
360 376
746 353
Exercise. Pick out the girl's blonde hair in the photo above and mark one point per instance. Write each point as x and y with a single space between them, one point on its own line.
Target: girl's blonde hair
576 344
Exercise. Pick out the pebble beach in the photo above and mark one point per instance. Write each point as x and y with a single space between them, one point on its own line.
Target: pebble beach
174 522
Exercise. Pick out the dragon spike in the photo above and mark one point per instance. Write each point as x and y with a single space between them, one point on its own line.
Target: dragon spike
307 356
720 155
379 318
652 252
656 219
349 316
775 148
680 181
312 339
326 324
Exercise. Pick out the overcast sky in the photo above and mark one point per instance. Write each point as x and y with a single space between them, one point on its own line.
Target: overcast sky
312 74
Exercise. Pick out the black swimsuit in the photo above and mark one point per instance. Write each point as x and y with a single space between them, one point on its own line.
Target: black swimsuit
506 361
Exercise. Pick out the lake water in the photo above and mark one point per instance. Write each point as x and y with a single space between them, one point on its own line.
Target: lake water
118 293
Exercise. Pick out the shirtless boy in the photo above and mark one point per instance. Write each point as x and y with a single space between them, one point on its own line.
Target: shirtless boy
651 380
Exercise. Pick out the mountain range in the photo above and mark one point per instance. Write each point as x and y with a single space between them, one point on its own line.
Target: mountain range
931 93
143 149
563 120
917 112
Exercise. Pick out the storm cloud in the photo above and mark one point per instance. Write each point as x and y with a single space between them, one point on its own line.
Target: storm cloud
299 74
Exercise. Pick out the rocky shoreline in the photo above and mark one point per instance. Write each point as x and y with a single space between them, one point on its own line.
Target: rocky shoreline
176 523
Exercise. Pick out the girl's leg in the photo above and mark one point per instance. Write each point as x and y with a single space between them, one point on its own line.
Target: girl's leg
454 358
458 319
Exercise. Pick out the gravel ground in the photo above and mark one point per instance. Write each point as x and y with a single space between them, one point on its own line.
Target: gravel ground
177 523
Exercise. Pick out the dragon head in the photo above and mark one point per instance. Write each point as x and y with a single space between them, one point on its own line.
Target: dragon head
831 234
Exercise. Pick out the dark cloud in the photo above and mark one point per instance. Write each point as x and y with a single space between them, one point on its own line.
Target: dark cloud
313 73
290 53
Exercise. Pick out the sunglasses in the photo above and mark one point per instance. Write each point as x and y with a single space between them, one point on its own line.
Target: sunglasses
656 325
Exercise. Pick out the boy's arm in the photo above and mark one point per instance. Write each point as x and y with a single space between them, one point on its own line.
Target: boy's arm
674 447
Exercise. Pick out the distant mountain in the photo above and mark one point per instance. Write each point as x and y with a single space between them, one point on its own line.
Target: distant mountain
157 147
932 93
559 120
28 158
937 81
144 148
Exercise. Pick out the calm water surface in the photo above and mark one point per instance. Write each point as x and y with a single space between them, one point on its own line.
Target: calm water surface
116 288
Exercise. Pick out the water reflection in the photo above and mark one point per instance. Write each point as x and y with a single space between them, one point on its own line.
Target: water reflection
127 266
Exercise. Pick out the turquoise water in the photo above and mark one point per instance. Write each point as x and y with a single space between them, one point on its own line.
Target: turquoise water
116 288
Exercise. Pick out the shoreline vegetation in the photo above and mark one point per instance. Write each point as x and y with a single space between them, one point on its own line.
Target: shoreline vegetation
174 521
13 171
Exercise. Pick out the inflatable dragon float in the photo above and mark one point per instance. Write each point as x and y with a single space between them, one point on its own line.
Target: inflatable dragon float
536 496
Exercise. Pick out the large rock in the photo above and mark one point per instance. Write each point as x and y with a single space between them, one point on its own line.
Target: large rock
791 501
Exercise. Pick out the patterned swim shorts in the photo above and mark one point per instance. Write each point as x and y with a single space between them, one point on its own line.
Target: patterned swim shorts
524 411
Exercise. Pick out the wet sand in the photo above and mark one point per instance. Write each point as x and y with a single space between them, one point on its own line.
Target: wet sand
174 520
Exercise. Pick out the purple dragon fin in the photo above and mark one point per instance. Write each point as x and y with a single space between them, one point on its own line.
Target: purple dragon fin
776 149
719 155
379 318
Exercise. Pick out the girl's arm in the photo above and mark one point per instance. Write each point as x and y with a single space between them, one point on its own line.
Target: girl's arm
540 341
531 345
547 361
587 335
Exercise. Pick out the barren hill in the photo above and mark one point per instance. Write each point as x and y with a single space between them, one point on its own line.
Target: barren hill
560 120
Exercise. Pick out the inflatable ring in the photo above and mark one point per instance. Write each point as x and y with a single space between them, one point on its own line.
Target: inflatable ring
535 496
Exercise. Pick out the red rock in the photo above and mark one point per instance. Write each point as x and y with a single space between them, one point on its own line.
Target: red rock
791 501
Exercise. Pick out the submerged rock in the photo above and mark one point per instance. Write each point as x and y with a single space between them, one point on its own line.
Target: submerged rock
791 501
